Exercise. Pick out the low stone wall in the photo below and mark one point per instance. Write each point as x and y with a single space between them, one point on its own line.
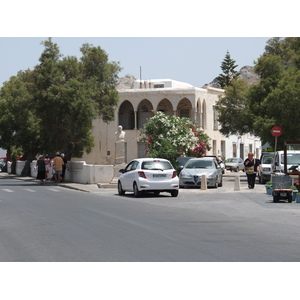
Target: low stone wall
79 172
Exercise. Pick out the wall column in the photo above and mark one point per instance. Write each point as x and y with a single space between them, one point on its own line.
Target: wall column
135 120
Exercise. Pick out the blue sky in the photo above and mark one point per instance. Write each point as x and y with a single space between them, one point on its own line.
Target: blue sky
195 60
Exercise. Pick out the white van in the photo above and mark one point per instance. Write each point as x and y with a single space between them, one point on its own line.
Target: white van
293 158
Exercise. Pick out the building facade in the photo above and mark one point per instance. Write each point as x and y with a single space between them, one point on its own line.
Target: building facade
136 106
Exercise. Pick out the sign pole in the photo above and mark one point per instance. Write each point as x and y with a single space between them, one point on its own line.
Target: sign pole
274 154
275 131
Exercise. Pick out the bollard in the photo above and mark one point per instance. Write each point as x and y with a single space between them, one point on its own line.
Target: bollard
203 182
237 186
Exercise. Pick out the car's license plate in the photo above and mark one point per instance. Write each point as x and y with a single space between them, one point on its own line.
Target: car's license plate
159 175
283 194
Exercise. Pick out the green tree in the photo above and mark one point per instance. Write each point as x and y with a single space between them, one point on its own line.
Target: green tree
275 100
19 126
233 109
52 107
171 137
229 73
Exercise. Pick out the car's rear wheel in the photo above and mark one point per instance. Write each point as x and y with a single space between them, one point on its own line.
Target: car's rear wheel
237 169
174 193
120 190
136 191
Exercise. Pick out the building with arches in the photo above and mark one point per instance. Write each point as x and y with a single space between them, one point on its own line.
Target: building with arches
172 97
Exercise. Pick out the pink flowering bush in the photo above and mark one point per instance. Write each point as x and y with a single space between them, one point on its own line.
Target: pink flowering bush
171 137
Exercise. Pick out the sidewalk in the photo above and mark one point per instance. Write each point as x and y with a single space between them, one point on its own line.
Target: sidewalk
230 186
90 188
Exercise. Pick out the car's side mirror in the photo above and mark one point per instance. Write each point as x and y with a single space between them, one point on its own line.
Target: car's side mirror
121 171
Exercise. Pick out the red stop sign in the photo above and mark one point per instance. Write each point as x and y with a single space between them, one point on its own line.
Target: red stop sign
276 131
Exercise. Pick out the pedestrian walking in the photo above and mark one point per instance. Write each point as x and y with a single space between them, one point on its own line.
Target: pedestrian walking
58 167
48 166
251 168
65 166
41 169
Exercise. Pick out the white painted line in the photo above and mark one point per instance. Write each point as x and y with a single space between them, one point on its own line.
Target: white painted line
30 190
8 190
53 190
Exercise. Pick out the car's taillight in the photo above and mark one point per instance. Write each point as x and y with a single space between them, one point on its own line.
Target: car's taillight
174 174
142 174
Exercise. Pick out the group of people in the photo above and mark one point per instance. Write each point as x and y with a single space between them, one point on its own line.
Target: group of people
58 165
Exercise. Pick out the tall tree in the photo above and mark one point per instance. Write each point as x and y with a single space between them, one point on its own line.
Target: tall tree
233 109
276 98
228 67
52 107
274 101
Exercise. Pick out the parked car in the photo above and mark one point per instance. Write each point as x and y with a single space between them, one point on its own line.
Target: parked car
2 164
181 161
265 167
293 159
195 168
219 161
148 175
234 164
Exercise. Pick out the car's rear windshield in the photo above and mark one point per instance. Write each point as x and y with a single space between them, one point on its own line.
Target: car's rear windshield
156 165
292 158
199 164
267 159
232 160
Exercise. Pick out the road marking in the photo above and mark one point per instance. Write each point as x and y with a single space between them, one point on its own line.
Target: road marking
54 190
30 190
8 190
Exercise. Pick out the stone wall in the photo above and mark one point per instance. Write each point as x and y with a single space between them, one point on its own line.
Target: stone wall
79 172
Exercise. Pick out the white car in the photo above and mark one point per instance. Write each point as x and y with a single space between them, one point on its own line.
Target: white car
148 175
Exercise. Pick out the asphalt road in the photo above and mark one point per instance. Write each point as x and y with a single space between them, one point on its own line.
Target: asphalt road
52 223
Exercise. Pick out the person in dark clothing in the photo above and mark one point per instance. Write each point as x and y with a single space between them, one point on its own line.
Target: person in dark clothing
251 168
41 169
64 166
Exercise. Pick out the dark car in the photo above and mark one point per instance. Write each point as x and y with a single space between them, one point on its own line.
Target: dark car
181 161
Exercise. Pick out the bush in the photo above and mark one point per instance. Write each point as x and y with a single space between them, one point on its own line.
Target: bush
171 137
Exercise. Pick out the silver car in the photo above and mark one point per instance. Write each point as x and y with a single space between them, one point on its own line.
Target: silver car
234 164
195 168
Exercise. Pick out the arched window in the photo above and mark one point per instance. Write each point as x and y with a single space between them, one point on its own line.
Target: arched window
144 113
126 115
166 107
184 108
